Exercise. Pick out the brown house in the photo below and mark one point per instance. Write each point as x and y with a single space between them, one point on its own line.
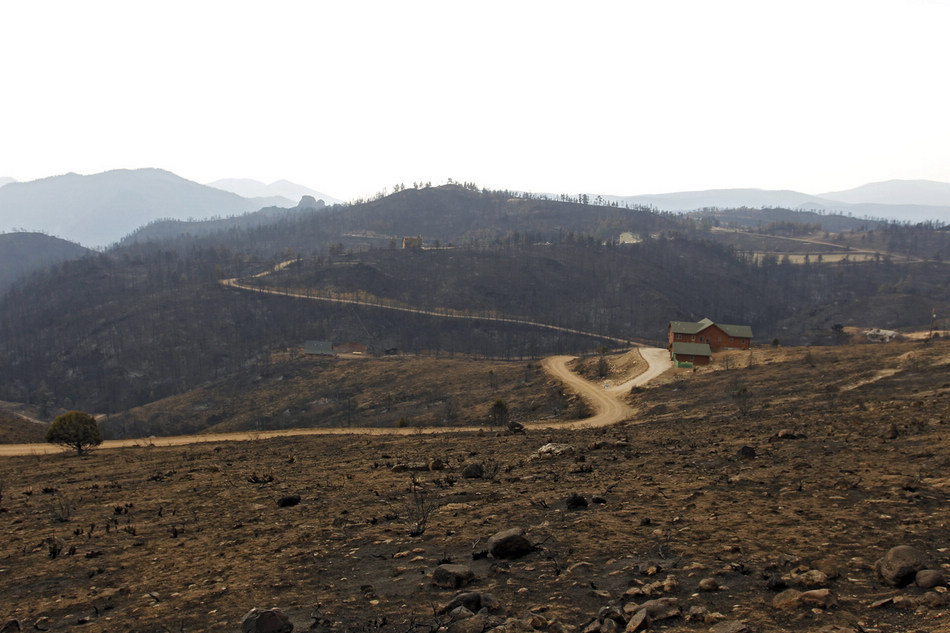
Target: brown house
718 336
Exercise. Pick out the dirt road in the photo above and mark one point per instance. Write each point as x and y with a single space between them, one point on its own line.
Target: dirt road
608 404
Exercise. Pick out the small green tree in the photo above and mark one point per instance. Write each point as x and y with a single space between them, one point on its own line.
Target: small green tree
498 415
75 429
602 367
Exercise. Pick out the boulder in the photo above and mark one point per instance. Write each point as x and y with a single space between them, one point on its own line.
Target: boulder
473 470
899 566
266 621
930 578
310 203
471 600
659 609
811 579
554 450
708 584
288 500
821 598
452 576
575 501
788 599
510 543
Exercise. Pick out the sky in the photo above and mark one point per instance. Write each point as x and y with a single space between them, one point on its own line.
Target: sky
352 98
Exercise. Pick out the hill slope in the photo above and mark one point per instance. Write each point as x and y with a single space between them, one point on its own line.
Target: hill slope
25 253
146 321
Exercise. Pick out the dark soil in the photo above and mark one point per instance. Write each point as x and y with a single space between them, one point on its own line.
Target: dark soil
828 459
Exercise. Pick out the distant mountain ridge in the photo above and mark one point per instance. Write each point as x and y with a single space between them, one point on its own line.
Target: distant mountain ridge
899 192
4 180
902 200
250 188
100 209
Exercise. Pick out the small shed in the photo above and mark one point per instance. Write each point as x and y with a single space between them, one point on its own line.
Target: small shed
695 353
318 348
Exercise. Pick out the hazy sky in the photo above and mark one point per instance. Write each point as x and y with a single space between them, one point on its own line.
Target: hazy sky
352 97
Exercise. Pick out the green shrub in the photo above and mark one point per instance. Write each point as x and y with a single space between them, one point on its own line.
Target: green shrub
75 429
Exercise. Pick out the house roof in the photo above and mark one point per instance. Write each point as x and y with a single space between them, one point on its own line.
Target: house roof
692 349
688 327
736 331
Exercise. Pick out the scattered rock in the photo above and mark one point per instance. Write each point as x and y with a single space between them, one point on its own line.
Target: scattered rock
288 501
821 598
930 578
510 543
659 609
638 622
266 621
12 626
899 566
786 434
811 579
792 598
788 599
437 464
471 600
934 600
708 584
554 450
460 613
452 576
474 624
575 501
598 499
473 470
747 452
829 566
42 624
612 613
728 626
697 613
890 432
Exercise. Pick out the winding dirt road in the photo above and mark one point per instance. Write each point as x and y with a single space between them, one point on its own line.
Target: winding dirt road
608 404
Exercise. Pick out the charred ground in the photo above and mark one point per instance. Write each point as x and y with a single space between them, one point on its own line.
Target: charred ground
832 456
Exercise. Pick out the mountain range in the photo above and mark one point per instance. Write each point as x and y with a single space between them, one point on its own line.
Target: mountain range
901 200
100 209
290 191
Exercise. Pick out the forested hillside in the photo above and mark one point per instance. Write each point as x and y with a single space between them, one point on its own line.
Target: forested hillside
24 253
148 320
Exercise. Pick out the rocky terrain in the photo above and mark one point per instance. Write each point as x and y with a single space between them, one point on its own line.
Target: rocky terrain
755 498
